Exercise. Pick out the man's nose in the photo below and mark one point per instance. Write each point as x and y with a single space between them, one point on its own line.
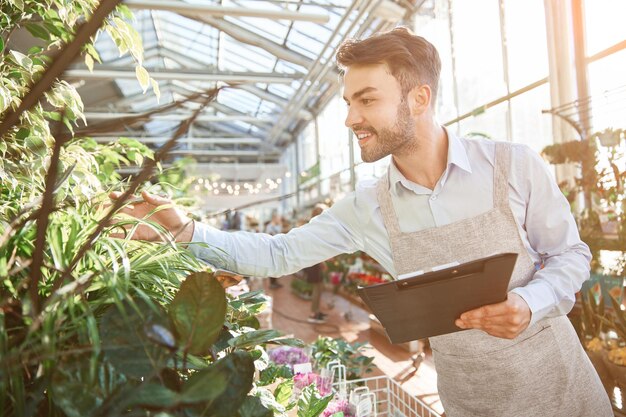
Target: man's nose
353 117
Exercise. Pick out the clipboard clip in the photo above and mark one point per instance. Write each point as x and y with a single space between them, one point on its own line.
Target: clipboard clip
408 282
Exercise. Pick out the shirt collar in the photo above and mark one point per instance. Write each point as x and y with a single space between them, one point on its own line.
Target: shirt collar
457 155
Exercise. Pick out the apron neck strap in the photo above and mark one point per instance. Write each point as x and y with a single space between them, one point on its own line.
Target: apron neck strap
383 193
501 175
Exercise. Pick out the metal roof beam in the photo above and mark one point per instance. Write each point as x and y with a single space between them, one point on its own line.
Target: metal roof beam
213 10
193 141
187 75
202 152
179 117
244 35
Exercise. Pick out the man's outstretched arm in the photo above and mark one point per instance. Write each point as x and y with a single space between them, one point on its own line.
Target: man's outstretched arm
254 254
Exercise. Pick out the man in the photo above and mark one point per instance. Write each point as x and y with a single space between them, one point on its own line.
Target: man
445 199
274 227
314 277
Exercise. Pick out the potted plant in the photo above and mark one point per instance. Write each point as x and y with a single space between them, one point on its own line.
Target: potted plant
593 326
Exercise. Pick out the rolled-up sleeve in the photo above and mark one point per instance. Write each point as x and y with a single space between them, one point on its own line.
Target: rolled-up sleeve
260 254
553 234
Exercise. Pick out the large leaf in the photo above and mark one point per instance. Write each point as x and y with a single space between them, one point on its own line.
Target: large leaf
283 392
77 390
270 374
239 369
207 384
311 404
253 338
254 407
198 312
126 335
154 396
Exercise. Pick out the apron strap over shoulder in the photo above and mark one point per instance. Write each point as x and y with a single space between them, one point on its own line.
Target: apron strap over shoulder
501 175
386 206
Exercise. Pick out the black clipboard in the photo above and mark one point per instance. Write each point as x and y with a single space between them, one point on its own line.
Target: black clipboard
428 304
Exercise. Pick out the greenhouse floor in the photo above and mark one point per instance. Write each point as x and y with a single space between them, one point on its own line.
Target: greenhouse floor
348 321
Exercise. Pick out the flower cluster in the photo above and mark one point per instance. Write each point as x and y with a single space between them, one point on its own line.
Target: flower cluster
335 277
301 381
365 279
288 355
338 406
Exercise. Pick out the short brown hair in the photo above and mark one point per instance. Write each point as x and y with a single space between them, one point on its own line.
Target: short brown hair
412 59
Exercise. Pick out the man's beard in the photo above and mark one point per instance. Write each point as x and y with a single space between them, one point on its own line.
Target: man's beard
389 140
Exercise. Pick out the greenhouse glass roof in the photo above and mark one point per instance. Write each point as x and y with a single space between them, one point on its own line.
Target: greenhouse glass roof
276 58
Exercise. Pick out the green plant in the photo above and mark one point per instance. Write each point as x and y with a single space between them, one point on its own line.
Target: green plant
326 349
92 324
601 182
301 287
593 315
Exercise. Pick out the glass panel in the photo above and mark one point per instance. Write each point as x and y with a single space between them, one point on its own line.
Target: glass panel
334 146
607 86
477 46
527 49
436 30
491 123
530 126
604 24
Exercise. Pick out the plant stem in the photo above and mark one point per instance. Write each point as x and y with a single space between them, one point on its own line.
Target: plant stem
42 226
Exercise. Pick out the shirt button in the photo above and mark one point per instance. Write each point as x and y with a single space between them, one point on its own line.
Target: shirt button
433 197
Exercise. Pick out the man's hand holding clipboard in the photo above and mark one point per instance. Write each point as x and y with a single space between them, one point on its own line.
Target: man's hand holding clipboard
506 319
472 295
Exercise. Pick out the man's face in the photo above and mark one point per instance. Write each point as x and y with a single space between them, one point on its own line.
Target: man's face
378 113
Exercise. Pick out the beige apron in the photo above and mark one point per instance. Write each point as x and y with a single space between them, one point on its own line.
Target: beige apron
544 372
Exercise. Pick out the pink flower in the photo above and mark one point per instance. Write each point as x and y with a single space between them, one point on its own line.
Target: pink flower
302 381
338 406
335 278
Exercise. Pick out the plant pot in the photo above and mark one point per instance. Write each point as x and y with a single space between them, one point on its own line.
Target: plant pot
616 372
598 360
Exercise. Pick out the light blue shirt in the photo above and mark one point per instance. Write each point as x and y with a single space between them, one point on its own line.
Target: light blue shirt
465 190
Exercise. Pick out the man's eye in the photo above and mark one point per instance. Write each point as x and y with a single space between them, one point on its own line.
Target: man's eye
366 101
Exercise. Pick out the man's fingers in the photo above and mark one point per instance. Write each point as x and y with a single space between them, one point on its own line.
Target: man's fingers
154 199
493 310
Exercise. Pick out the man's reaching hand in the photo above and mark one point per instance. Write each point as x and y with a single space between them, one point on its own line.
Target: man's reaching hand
172 219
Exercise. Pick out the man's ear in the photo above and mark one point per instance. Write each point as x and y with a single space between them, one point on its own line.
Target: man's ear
419 99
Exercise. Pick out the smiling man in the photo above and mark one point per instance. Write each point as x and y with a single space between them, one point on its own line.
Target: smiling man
443 199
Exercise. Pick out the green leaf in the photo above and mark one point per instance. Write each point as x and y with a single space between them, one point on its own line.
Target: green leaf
74 390
23 133
311 404
143 77
36 145
125 341
1 44
154 396
288 341
253 338
207 384
22 60
270 374
89 62
52 28
53 115
38 31
155 88
91 50
198 311
283 392
239 368
253 407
